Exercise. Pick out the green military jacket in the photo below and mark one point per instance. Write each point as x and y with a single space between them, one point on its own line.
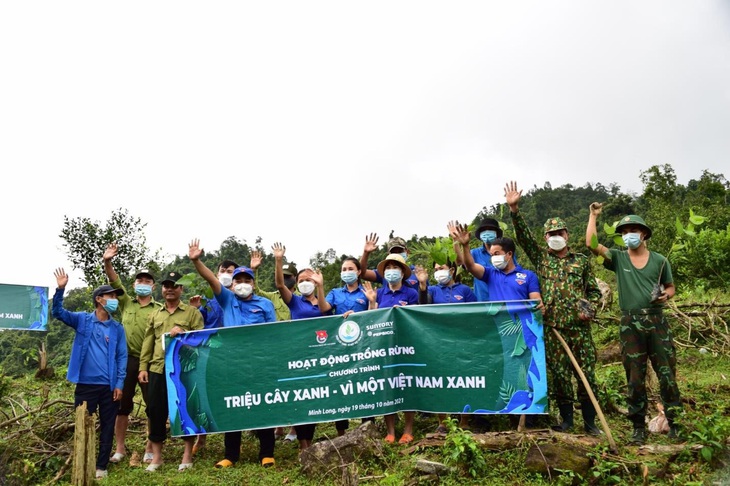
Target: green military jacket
563 281
134 318
152 357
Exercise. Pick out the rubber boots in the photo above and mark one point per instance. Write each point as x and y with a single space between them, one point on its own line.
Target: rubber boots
566 415
589 417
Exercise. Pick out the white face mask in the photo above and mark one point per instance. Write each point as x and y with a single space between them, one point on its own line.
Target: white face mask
556 242
499 261
226 279
442 276
305 288
243 290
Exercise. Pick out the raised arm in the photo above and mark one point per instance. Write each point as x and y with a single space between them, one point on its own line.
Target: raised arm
523 235
451 227
371 294
109 253
279 250
460 233
195 252
591 232
371 244
324 306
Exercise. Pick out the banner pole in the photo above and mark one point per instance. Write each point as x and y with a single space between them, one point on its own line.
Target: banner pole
604 424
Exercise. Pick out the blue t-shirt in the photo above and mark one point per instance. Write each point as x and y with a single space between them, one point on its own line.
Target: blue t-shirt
239 312
342 300
301 308
212 314
483 258
515 285
402 296
444 294
94 369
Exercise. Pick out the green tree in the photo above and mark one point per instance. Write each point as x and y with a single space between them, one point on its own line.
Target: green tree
85 242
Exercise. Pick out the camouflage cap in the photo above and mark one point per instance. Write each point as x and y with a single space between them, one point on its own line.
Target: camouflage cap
396 242
555 224
635 220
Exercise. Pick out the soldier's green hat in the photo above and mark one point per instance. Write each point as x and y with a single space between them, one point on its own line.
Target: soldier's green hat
633 219
555 224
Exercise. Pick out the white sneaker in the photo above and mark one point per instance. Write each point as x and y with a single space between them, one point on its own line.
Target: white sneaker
116 458
290 438
185 465
153 467
148 456
101 473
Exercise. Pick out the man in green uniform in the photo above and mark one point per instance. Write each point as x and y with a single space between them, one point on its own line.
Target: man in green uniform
569 293
135 314
644 280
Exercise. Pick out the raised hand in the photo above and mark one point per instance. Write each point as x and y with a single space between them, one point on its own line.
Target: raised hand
110 252
317 277
512 195
596 208
459 232
61 278
195 301
279 250
370 292
421 274
194 250
371 243
255 260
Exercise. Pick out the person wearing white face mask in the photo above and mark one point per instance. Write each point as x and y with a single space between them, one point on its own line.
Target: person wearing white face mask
447 291
135 312
310 285
213 317
394 270
645 284
569 292
240 307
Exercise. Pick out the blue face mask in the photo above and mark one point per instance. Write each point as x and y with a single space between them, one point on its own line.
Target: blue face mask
143 290
632 240
393 275
404 255
348 277
111 305
488 236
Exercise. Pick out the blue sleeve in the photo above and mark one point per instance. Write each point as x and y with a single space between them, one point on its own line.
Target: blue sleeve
469 295
121 357
269 312
534 283
412 297
58 312
331 298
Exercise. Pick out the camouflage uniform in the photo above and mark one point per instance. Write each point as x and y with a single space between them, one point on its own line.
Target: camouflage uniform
564 281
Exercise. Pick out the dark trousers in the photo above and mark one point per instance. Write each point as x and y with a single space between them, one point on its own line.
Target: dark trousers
101 397
305 431
232 442
342 424
126 405
157 410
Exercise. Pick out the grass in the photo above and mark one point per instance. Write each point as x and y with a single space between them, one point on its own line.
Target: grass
703 380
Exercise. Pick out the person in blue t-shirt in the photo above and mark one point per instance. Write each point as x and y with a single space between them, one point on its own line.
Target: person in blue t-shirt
449 290
395 271
302 306
98 362
240 307
395 245
343 301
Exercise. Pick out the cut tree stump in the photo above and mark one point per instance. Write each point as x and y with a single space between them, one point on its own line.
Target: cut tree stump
84 463
335 456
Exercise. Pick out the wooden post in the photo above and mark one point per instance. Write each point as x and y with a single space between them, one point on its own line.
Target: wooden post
583 378
84 463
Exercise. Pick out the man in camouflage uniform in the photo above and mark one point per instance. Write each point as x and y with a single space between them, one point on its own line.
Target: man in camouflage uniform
644 280
569 292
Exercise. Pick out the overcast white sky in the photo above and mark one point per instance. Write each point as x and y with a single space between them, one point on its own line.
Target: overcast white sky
314 123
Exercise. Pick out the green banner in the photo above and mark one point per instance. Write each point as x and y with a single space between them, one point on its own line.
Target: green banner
484 357
23 307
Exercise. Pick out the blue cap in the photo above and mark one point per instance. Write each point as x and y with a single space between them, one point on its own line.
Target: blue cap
245 270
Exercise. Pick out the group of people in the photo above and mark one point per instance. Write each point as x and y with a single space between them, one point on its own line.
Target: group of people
111 357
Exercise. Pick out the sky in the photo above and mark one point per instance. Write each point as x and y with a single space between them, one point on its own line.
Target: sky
316 123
